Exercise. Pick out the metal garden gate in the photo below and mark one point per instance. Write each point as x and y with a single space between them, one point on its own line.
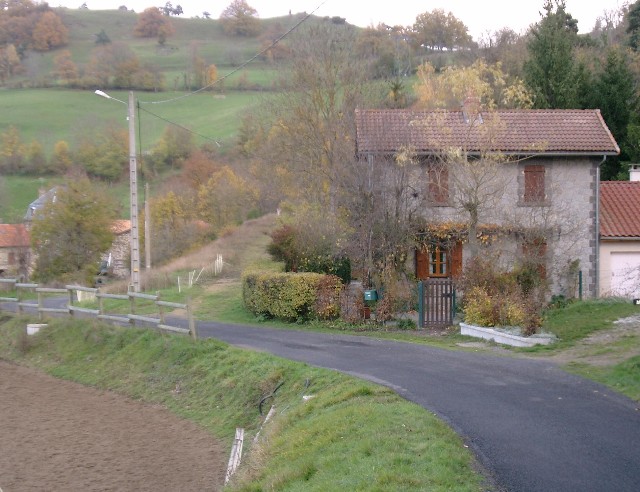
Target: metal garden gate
437 298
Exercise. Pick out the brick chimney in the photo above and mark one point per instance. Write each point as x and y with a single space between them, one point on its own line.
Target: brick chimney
471 110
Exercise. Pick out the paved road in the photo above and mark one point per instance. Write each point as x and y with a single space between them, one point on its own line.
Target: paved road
533 426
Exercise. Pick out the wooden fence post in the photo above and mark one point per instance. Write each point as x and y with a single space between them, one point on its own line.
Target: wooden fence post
70 301
100 303
19 297
192 324
40 306
160 309
132 301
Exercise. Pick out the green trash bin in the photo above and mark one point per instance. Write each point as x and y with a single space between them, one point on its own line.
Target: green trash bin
370 295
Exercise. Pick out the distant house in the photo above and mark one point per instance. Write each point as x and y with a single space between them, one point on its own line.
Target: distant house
15 251
620 238
547 185
44 198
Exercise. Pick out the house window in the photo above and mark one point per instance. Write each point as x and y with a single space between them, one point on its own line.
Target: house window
12 258
439 261
534 184
438 187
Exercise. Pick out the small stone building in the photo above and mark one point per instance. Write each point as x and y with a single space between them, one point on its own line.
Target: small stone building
119 254
15 251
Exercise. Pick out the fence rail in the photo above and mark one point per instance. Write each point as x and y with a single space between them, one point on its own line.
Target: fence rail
73 292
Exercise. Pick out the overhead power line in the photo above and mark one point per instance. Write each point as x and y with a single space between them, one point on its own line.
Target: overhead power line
240 67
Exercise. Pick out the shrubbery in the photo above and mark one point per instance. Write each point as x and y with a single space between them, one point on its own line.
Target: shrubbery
292 296
302 252
502 298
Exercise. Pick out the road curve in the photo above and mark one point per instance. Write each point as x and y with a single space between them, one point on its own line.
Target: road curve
533 426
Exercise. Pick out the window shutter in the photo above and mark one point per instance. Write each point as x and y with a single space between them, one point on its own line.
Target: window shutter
534 189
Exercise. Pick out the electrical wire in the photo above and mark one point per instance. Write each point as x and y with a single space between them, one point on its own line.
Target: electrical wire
179 126
241 66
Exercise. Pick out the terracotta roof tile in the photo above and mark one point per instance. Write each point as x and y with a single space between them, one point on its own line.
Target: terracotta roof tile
14 236
555 132
619 209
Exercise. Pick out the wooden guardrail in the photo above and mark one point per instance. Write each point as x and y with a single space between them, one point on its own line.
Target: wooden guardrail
72 292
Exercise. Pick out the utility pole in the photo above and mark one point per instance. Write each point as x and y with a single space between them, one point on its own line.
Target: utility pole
133 189
133 185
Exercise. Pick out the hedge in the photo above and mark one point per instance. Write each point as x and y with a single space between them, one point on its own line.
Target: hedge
292 296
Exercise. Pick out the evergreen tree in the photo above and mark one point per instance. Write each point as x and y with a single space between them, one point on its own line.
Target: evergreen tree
550 71
614 94
633 26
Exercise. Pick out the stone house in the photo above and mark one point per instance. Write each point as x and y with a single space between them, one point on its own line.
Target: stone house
525 182
619 265
15 251
117 258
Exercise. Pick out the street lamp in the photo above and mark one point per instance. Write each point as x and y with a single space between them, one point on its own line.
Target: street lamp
133 186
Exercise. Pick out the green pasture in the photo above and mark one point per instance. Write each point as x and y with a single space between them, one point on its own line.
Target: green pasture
50 115
17 192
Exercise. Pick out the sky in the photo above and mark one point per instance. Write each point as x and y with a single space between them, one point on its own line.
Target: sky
479 16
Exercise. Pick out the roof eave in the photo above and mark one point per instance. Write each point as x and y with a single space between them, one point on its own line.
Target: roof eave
511 153
619 238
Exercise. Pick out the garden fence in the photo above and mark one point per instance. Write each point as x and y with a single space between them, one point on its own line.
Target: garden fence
25 302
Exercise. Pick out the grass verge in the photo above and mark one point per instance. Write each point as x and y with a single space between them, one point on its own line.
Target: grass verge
623 377
351 435
581 319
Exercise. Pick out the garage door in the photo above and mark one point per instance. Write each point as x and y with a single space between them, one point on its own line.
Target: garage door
625 274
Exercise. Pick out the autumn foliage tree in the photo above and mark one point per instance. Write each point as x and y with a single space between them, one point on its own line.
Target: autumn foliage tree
240 19
438 30
61 160
65 69
49 32
170 152
12 151
486 82
9 62
151 24
28 25
69 234
225 199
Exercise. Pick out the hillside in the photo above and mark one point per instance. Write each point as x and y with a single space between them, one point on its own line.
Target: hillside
203 38
48 114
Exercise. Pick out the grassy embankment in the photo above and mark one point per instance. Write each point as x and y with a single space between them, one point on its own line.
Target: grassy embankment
352 435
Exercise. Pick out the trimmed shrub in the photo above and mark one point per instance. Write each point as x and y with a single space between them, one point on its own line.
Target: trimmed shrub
292 296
